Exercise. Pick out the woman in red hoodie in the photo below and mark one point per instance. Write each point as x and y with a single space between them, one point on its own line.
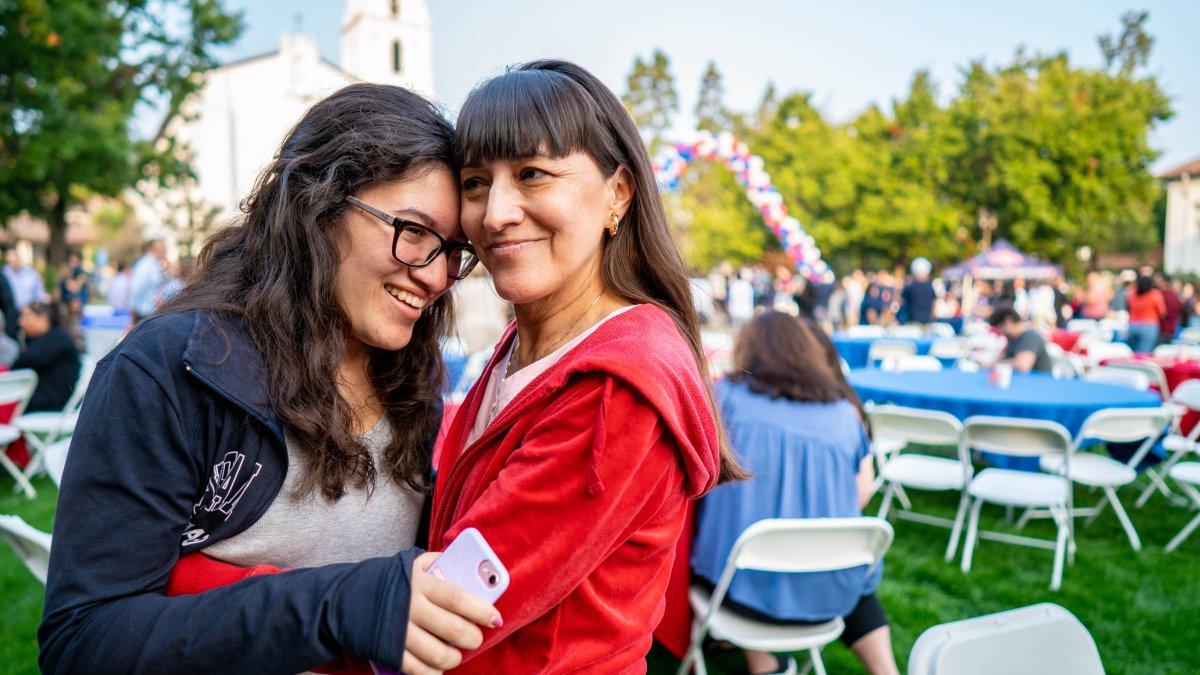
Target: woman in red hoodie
577 451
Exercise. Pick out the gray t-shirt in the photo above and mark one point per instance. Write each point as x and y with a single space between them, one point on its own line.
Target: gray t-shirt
1031 341
308 531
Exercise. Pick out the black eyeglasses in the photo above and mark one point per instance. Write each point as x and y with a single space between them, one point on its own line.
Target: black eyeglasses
417 246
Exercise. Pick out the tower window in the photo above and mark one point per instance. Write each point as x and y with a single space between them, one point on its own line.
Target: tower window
395 8
397 60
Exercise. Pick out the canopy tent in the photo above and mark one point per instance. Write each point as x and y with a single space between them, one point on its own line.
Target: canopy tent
1003 261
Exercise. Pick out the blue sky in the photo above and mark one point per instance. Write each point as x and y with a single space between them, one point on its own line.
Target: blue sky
849 53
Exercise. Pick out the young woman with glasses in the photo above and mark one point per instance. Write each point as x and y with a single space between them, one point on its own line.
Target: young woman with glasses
279 413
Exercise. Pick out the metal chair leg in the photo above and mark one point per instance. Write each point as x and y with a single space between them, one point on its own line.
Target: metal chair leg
1126 523
1192 524
1060 546
1183 534
956 530
22 482
886 506
972 535
818 664
1097 510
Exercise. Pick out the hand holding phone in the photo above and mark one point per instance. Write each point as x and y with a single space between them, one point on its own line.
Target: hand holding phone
477 578
471 563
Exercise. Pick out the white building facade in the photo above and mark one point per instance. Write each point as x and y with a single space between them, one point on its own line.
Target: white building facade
1181 240
233 126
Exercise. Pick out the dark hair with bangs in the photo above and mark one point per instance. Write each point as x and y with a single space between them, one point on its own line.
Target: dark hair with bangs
555 108
275 269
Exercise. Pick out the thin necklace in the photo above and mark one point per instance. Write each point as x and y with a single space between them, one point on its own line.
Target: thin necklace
512 357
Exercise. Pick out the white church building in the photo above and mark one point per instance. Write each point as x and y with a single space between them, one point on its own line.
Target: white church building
1181 238
234 125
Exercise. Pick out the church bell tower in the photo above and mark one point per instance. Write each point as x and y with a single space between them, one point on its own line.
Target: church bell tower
390 42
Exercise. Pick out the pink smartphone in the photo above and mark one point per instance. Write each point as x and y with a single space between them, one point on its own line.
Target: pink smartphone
471 563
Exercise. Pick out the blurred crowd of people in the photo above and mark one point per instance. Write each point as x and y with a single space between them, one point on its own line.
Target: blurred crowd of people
1154 305
41 328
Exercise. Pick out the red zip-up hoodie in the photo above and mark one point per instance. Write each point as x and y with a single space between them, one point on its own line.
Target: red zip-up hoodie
581 485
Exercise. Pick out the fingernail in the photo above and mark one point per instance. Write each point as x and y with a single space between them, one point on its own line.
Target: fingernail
497 621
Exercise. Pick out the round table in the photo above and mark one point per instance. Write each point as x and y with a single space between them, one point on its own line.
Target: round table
1032 396
854 348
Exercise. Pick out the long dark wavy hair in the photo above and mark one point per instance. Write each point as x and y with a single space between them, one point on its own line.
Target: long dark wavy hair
782 356
275 269
556 108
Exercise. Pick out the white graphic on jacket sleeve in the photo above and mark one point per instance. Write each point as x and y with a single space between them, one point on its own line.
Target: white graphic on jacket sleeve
222 494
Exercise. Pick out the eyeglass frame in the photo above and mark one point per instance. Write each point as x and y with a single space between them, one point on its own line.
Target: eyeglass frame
399 223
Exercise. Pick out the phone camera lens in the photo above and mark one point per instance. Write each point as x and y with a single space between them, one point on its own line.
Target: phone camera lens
492 580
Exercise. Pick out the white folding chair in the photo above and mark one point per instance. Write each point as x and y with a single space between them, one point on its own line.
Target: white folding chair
42 428
1102 351
1168 351
881 349
900 471
1187 476
1186 397
967 366
1021 489
1189 336
1152 370
1083 325
941 329
950 348
792 545
1068 366
16 387
911 363
1111 425
55 456
1119 377
30 544
1042 639
866 330
908 332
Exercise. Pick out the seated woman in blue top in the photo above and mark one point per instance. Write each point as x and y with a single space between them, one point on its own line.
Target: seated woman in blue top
798 427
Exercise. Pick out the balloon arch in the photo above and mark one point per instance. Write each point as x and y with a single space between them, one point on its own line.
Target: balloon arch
748 169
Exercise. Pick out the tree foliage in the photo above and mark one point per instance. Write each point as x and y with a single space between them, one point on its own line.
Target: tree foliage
1060 153
711 113
73 73
650 97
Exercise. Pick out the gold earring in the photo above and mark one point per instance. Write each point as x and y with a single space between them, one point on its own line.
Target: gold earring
612 227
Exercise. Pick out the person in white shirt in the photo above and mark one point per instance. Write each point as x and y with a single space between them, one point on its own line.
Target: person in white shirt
146 280
119 289
27 284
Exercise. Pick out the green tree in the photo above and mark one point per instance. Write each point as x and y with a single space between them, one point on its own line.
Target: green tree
651 98
1060 154
73 73
1131 50
902 210
711 114
768 105
722 223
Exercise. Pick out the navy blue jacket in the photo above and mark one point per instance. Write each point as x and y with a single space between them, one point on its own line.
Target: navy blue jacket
176 449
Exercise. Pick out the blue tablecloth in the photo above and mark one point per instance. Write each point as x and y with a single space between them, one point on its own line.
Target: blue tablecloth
855 348
1033 396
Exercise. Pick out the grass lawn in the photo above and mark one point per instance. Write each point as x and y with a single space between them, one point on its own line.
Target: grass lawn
1142 608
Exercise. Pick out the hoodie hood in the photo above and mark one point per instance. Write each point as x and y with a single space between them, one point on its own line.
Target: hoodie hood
643 348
